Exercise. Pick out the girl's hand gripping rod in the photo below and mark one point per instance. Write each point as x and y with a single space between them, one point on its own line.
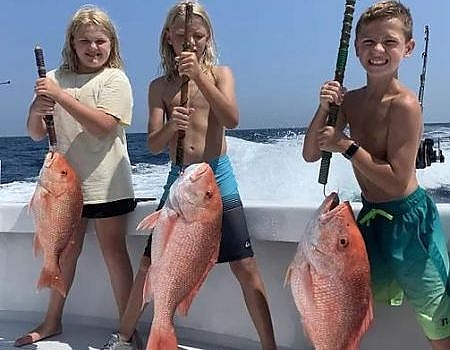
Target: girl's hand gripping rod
48 118
339 76
187 46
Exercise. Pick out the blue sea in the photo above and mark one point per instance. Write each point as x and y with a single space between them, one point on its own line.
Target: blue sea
267 163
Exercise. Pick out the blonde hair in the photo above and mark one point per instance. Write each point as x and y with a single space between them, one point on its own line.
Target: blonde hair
388 10
209 57
90 15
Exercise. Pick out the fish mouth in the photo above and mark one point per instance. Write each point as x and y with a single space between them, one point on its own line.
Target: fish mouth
49 158
40 184
330 202
201 169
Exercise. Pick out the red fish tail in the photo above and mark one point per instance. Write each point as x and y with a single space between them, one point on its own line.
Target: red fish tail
55 280
162 338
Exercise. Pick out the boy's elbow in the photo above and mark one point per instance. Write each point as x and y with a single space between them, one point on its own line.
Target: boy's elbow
233 122
310 157
153 147
232 125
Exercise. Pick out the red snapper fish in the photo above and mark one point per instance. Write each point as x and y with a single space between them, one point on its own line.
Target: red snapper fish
185 247
330 278
56 206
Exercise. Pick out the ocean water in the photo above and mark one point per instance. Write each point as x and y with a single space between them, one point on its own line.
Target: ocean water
267 163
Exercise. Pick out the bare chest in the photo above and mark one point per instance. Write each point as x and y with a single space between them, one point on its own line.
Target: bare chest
196 100
370 127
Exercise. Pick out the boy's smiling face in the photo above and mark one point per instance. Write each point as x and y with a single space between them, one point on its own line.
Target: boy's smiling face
381 45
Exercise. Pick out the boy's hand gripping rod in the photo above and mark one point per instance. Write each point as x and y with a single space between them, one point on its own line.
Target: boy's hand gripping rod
48 118
339 76
187 46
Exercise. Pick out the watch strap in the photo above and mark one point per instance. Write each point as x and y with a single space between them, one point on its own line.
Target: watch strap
351 150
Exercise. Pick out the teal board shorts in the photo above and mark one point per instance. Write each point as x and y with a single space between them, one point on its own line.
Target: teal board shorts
235 242
408 257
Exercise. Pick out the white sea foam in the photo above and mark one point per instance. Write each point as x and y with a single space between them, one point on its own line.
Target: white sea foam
267 172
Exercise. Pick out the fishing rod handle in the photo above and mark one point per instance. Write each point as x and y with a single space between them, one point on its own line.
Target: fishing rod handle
180 148
48 118
187 46
341 62
40 63
184 93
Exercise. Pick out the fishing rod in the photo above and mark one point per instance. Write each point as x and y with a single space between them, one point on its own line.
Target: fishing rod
338 76
424 67
187 46
426 154
48 118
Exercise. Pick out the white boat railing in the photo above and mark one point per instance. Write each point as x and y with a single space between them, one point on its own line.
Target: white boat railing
274 229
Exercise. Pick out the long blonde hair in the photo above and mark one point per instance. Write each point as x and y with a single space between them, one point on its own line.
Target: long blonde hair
209 57
90 15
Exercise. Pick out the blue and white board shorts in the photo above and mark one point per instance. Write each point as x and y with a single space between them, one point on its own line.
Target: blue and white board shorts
408 257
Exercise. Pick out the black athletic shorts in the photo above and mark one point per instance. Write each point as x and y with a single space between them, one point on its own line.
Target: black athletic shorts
110 209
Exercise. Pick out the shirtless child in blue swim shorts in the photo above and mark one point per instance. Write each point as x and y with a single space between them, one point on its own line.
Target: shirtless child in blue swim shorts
212 110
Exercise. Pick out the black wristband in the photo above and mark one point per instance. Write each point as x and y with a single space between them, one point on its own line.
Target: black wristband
351 150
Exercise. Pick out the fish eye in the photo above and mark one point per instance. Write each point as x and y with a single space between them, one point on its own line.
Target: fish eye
64 172
209 194
343 242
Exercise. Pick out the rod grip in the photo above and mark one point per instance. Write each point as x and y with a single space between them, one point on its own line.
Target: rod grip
187 46
40 63
338 76
48 118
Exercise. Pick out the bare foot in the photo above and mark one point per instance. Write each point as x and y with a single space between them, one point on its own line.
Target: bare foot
43 331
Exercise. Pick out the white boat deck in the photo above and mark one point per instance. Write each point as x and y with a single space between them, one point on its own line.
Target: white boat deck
91 334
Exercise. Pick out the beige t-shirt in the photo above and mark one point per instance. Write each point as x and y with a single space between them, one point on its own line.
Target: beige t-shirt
102 164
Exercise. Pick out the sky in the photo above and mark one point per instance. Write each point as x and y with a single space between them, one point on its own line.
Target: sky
280 53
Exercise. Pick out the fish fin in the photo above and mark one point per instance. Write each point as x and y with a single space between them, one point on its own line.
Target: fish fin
308 285
365 324
37 246
30 205
162 338
184 305
55 280
68 251
149 222
168 228
147 292
287 278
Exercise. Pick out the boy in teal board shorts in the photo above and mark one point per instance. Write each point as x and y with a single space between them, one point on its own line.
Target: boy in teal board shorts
399 221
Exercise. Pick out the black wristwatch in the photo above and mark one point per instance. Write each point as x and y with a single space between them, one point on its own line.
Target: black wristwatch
351 150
